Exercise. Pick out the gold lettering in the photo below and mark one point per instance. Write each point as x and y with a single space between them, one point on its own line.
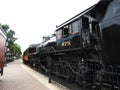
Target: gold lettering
67 43
63 44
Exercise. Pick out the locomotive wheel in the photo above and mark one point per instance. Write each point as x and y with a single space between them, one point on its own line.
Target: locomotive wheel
70 76
50 49
25 62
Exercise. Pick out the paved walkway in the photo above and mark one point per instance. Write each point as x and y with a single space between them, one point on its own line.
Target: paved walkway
17 78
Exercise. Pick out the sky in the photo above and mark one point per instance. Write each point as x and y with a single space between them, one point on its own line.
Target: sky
33 19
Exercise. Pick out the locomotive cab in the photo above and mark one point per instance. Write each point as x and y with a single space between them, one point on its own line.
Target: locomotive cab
68 36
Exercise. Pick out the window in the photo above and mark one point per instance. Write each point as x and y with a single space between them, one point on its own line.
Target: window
59 34
65 32
75 27
85 22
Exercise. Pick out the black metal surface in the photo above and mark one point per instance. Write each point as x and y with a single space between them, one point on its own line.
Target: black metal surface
89 58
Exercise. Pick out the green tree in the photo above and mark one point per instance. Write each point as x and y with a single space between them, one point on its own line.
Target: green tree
5 27
10 36
14 49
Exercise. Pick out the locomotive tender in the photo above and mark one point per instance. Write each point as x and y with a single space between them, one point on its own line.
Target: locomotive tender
87 48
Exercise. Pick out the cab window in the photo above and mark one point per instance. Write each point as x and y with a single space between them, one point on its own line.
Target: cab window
65 31
59 34
74 27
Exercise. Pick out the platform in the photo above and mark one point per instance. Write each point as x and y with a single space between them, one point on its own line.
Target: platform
18 76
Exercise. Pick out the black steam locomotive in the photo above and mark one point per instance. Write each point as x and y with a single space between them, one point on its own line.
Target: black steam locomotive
86 49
